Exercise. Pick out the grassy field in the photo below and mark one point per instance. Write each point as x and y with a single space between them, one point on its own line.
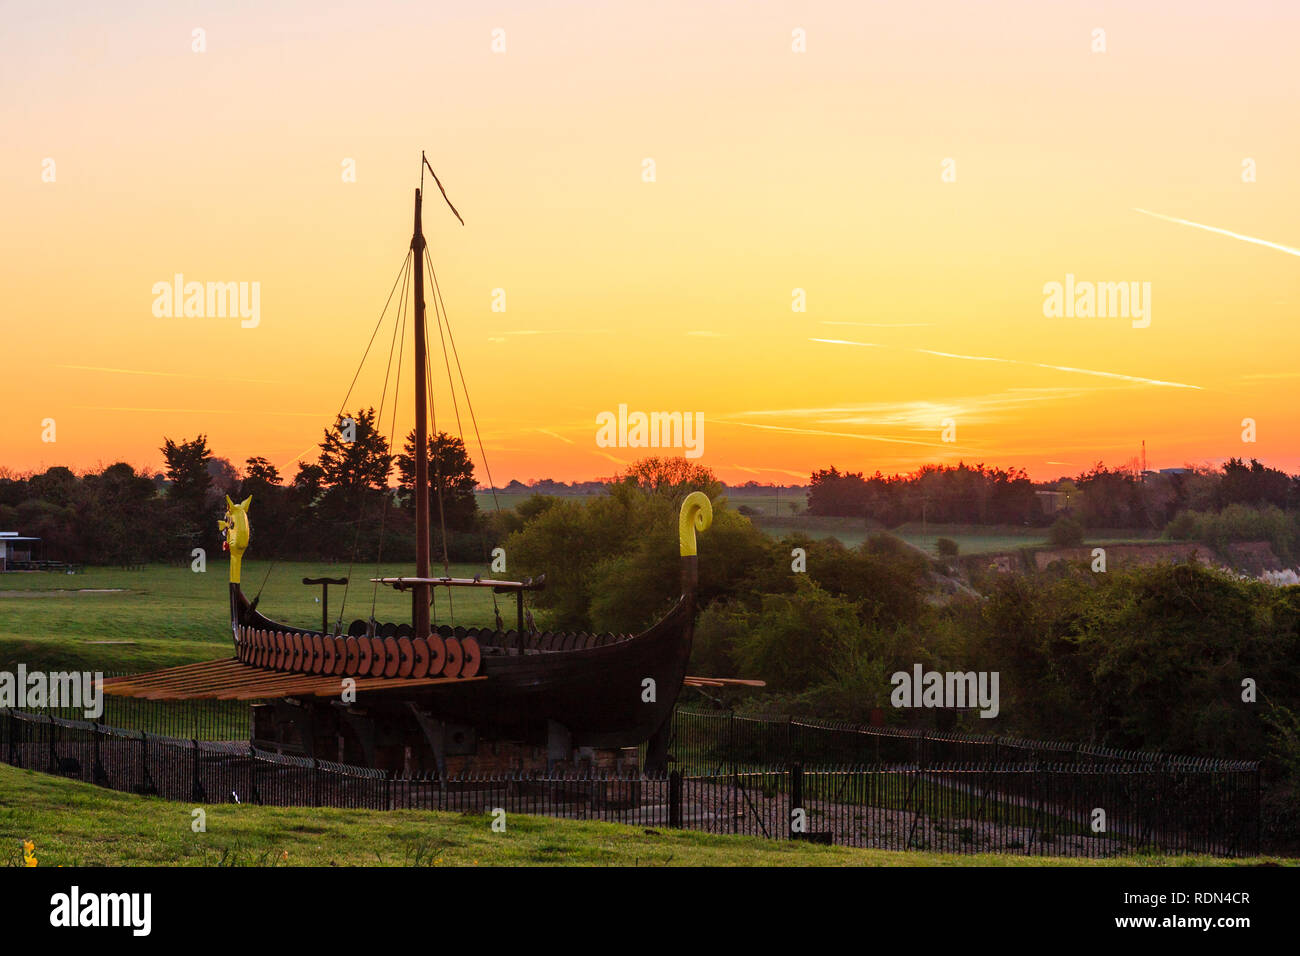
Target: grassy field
971 539
161 616
76 824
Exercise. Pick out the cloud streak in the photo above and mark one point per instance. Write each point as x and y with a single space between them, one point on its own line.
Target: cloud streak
1222 232
831 434
1117 376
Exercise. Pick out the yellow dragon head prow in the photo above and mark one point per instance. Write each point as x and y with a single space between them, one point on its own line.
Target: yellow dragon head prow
236 527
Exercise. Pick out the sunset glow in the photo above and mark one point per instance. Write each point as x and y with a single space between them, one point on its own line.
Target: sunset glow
774 171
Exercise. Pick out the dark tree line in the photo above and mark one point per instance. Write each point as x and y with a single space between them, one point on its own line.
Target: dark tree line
964 494
335 507
1122 497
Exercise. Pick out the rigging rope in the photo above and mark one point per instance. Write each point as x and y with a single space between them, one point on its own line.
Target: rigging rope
442 519
356 538
392 437
440 311
402 269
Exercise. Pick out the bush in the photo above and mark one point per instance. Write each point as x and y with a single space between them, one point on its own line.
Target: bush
1065 533
1239 522
947 547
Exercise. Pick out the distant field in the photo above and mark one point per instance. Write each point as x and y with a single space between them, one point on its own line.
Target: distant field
971 539
771 506
508 500
166 616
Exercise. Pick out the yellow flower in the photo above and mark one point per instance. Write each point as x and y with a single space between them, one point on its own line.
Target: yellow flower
29 853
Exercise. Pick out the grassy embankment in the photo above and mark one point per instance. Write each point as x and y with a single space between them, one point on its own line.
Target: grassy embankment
76 824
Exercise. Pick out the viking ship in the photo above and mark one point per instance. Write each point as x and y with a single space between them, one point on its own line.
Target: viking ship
439 686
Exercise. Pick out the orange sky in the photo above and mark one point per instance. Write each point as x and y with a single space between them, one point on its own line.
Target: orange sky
775 170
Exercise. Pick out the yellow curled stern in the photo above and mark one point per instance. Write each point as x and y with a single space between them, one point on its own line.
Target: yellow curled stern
696 515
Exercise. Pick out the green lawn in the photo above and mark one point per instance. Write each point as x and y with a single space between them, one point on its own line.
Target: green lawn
164 616
76 824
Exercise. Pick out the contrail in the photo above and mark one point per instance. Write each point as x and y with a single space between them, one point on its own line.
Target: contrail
190 375
1059 368
822 431
1223 232
884 325
554 435
199 411
865 345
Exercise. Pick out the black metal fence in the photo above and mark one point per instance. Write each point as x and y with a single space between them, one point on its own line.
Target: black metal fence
711 742
189 719
1079 808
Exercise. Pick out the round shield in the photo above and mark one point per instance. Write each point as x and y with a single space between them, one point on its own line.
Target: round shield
392 657
353 645
473 657
437 655
340 655
419 657
455 657
405 658
378 656
326 655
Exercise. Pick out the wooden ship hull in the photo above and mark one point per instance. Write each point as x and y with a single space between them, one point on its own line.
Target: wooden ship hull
604 690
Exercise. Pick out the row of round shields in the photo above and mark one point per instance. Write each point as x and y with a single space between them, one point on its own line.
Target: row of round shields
410 657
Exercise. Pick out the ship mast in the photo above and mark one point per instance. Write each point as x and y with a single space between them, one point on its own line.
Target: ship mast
420 599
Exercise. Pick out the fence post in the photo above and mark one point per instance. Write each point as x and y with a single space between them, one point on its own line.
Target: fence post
254 796
675 799
731 741
796 797
54 757
196 788
144 765
100 777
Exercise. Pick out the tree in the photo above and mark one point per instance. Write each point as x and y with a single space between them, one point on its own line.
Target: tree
261 472
1065 532
223 480
670 478
352 468
1253 484
451 473
187 470
116 516
833 493
55 485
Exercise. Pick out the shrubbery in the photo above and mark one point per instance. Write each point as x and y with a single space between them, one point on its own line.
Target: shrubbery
1065 532
1239 522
